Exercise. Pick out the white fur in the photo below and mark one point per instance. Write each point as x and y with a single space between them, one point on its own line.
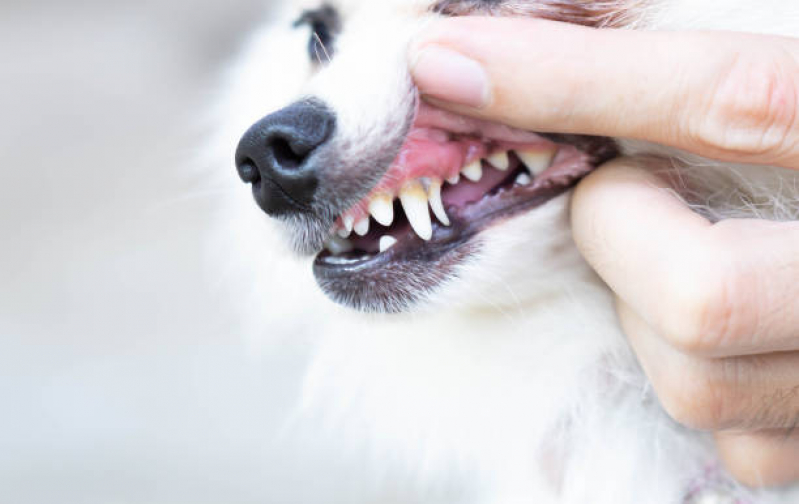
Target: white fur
513 383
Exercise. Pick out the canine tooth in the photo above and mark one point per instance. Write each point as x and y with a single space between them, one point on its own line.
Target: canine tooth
523 179
348 221
414 202
536 161
473 171
362 226
386 242
434 193
454 179
382 209
338 246
499 160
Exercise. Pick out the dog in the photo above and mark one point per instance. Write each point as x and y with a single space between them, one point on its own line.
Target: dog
463 349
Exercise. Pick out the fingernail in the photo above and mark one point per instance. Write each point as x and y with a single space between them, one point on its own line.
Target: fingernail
451 77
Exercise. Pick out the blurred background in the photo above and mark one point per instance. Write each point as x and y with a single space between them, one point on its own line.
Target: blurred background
119 382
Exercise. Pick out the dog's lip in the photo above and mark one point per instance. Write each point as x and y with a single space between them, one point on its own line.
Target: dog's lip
428 116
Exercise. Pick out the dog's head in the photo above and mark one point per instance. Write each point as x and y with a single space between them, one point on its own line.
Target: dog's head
398 200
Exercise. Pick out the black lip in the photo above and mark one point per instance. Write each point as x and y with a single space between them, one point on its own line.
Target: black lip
399 278
410 247
395 280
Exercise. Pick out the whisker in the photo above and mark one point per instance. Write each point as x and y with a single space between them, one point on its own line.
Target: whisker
321 44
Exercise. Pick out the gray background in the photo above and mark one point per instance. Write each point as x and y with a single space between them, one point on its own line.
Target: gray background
118 380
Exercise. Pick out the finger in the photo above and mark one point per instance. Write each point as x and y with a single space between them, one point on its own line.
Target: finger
752 392
762 459
716 290
724 95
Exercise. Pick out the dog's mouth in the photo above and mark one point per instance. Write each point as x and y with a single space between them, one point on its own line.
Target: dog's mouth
453 178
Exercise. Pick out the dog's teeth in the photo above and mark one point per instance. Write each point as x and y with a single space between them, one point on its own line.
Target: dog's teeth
536 161
386 242
473 171
454 179
382 209
362 226
348 221
499 160
414 202
434 193
523 179
338 246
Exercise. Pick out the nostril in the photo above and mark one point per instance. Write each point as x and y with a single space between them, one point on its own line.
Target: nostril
248 172
286 156
277 155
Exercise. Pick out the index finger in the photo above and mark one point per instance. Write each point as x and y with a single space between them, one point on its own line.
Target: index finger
729 96
715 290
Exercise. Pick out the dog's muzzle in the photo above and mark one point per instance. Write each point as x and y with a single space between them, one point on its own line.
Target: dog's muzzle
276 156
383 250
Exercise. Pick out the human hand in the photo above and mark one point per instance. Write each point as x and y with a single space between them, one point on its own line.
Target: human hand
710 309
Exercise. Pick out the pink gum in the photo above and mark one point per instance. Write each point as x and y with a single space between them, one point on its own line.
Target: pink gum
431 152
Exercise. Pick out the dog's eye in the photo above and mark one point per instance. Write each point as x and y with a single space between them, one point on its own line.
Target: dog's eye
325 24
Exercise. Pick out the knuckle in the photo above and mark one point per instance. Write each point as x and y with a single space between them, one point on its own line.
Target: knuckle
694 400
705 304
751 108
699 310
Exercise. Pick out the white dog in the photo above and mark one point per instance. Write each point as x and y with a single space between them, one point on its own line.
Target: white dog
490 367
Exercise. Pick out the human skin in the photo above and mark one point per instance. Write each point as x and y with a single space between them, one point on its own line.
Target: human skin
713 306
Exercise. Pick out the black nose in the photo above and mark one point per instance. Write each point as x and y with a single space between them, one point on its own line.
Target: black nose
276 156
